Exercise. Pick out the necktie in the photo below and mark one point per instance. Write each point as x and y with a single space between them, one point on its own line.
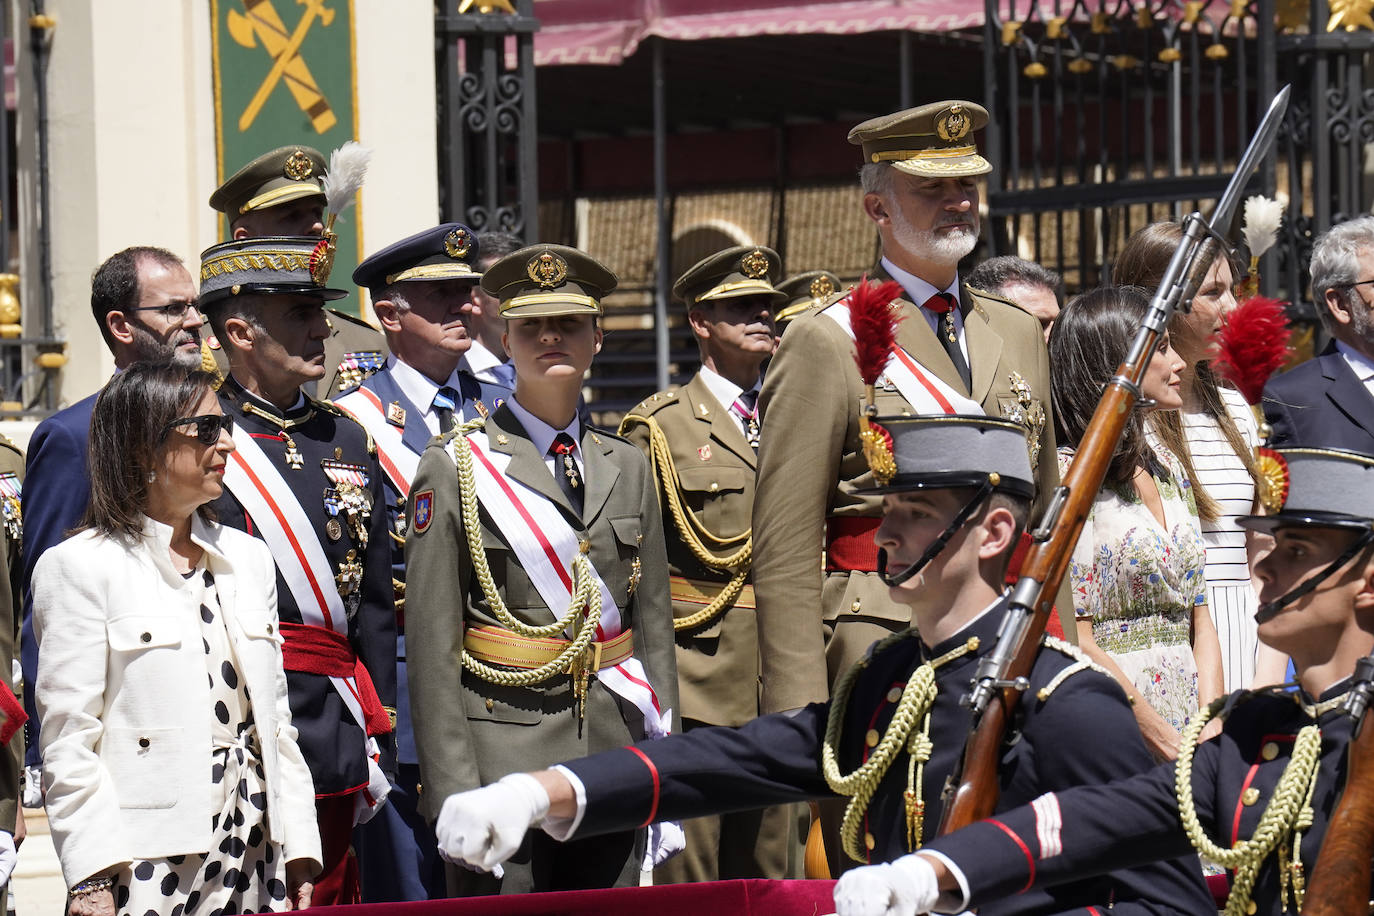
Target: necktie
565 470
746 407
944 304
445 403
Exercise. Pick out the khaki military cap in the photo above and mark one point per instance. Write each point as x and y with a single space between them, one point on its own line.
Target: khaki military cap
546 280
934 141
804 291
745 270
285 174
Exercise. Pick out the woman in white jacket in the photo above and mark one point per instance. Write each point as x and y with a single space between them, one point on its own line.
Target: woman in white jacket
174 782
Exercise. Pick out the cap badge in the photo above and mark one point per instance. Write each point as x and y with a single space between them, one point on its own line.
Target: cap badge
298 166
548 270
822 288
754 265
457 244
1273 483
322 261
952 123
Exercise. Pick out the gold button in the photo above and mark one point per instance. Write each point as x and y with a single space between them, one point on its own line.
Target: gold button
872 738
1249 796
854 608
869 842
1269 751
490 704
714 486
1251 907
419 789
894 694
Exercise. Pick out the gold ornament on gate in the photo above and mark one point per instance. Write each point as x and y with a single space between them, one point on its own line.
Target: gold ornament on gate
547 269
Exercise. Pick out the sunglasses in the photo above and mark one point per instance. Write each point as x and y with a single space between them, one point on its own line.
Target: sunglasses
208 426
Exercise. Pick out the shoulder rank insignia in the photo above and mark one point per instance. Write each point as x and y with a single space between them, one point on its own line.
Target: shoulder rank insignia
395 414
481 409
424 510
356 366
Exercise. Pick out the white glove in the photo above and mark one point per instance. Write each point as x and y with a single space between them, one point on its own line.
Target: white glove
666 840
484 827
33 787
9 857
902 888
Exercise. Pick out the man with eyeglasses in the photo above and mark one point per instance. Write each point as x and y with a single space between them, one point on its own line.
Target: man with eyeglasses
144 302
1328 401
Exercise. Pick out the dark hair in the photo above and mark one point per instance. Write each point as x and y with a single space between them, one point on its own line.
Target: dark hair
126 441
995 273
1087 344
492 246
114 285
246 308
1142 263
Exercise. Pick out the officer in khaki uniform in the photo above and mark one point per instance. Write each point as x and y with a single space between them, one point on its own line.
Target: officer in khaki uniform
566 518
698 440
920 190
806 293
280 194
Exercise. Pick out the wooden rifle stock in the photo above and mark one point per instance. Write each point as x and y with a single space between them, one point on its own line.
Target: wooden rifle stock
1340 879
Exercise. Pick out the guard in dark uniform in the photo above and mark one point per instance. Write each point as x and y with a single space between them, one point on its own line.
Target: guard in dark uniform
421 290
1280 761
807 293
280 193
305 479
895 727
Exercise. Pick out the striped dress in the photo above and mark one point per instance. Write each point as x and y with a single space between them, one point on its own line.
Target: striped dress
1230 596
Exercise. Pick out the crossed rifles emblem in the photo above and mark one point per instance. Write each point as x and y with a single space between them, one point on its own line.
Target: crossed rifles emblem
260 23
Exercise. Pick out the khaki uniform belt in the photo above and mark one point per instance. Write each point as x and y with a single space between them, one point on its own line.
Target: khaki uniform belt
697 591
499 646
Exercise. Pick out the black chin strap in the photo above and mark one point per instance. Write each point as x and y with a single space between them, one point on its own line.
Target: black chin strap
1270 608
937 545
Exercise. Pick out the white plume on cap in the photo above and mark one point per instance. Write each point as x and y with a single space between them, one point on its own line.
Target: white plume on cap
347 169
1261 228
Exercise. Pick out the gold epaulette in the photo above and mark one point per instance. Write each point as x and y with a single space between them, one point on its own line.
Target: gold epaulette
1083 663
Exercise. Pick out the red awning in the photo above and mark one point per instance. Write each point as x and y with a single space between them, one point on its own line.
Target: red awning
608 31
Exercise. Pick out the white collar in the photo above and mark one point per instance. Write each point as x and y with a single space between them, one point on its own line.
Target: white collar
478 358
1363 365
918 290
721 388
542 434
158 539
417 386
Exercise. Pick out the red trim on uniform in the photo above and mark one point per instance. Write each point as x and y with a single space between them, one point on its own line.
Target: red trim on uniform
907 361
1018 557
653 771
397 478
525 516
1250 776
849 545
1020 844
1094 911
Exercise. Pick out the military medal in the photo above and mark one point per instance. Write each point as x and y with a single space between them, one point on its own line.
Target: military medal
293 454
395 414
949 327
332 527
350 580
636 573
11 490
355 367
349 496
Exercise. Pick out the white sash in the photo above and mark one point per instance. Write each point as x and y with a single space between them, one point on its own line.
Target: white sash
541 537
397 460
925 392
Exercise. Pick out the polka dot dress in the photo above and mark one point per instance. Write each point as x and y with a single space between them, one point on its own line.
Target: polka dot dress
244 871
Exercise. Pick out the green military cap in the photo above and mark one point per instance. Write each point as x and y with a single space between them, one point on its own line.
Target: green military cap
805 291
285 174
542 281
745 270
933 140
270 265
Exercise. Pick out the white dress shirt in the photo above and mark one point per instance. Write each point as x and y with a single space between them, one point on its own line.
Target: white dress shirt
919 291
420 389
726 392
1362 365
486 366
542 436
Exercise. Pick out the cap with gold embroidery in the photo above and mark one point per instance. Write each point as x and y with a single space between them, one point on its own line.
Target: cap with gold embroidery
285 174
270 265
934 141
546 280
745 270
805 291
446 252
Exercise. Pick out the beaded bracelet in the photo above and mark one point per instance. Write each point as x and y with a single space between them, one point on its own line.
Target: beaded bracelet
91 886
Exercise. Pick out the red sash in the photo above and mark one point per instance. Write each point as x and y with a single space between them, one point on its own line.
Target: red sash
316 650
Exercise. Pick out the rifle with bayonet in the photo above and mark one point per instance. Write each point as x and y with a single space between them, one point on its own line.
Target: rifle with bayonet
1003 675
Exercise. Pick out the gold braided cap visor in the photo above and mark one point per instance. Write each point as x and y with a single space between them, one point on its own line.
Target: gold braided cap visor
283 194
452 270
549 305
735 289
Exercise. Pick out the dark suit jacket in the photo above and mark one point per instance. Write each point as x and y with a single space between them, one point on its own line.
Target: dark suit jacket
57 488
1320 403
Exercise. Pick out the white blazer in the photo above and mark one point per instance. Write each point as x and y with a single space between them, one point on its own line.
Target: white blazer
124 700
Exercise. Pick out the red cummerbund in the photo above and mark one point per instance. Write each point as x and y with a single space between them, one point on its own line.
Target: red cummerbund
849 544
316 650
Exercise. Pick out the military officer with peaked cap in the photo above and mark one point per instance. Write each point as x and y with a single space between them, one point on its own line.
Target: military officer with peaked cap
304 477
959 349
421 290
280 193
806 292
558 567
700 440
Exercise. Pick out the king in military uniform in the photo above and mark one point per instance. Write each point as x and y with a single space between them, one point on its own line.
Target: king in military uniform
304 477
538 621
701 441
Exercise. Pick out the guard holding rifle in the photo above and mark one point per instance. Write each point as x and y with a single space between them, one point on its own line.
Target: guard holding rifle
956 491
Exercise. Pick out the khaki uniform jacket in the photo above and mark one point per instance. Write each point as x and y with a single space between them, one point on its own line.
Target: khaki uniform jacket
717 662
811 465
469 732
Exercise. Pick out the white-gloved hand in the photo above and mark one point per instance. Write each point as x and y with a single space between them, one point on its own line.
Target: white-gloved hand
666 840
9 857
33 787
902 888
484 827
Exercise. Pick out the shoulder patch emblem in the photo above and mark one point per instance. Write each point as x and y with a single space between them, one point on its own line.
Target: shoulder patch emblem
424 510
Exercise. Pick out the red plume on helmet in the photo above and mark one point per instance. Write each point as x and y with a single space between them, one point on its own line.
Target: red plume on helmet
1253 343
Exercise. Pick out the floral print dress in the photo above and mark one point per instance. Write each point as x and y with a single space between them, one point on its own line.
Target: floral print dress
1139 582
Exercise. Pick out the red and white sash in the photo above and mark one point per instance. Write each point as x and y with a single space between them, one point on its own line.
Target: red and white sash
542 539
921 388
283 525
399 463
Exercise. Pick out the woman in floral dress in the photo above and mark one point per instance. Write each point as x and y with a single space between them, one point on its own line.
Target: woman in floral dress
1139 591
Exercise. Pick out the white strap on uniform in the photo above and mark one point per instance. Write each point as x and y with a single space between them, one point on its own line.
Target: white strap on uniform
397 460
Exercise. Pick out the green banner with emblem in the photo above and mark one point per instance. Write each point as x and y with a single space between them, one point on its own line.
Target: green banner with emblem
284 73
